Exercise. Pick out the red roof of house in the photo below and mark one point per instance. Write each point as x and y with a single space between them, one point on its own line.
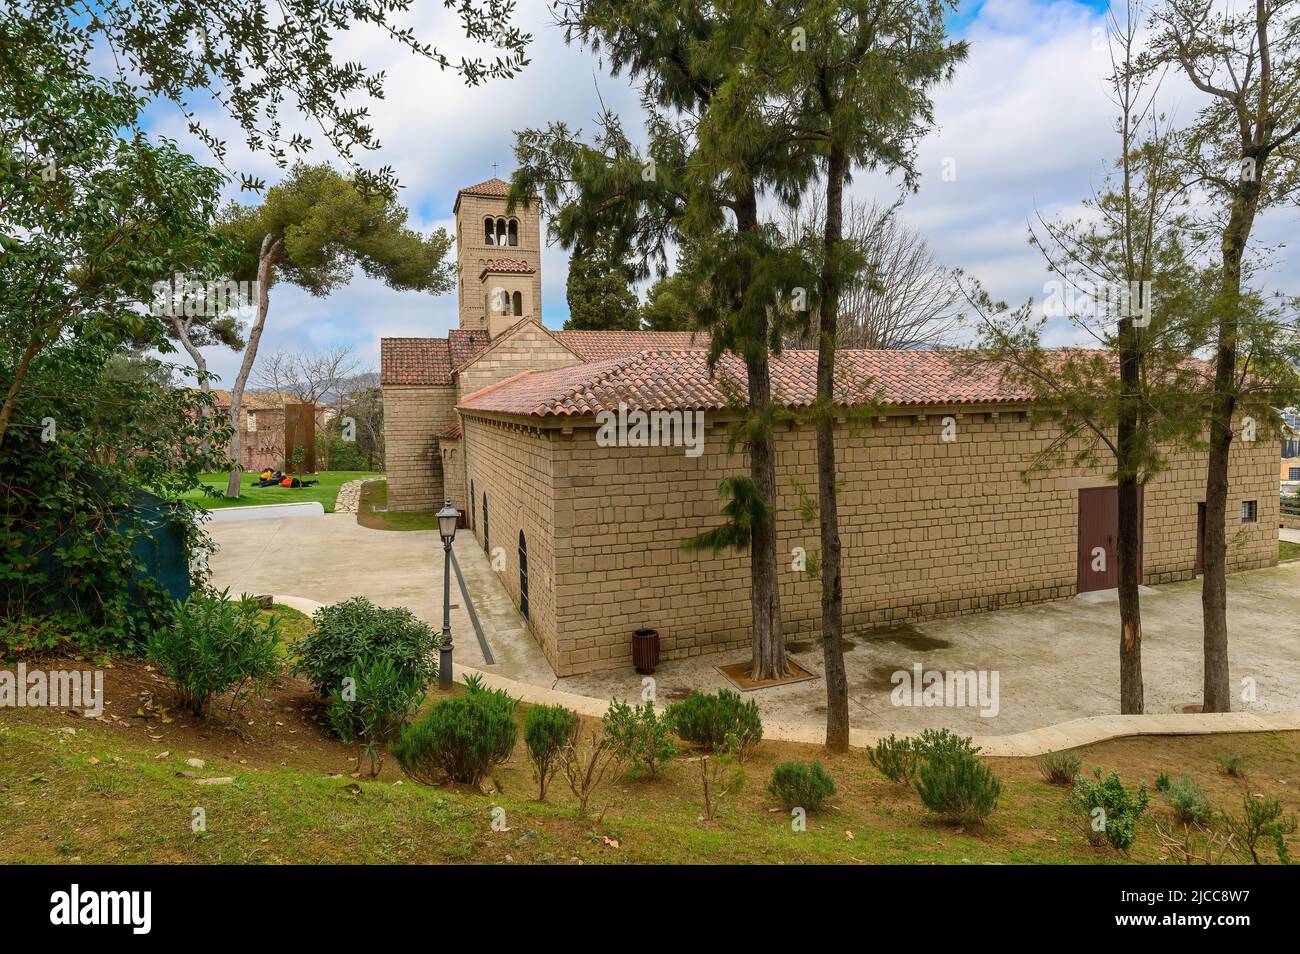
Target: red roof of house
598 345
670 380
414 361
507 266
493 187
432 360
465 344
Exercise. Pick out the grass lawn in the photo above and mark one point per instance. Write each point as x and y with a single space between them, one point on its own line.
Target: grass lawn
111 791
324 492
1286 550
376 495
294 625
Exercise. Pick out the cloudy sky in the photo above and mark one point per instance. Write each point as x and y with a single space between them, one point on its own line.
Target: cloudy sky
1026 126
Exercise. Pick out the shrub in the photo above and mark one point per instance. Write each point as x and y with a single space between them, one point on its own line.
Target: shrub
894 758
708 720
1262 821
500 697
954 783
721 774
586 765
380 700
212 645
1162 782
642 738
357 629
548 730
1188 801
800 785
460 738
1234 765
1059 768
1111 811
941 742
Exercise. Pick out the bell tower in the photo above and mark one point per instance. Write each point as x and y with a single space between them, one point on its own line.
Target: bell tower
498 257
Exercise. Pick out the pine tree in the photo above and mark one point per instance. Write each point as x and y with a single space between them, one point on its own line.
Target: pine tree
599 290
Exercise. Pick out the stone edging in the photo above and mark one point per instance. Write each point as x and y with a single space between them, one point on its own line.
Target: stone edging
1063 735
349 495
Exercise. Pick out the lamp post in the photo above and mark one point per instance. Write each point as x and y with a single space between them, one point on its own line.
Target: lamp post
448 517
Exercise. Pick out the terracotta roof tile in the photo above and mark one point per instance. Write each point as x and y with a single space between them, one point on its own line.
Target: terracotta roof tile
668 380
493 187
414 361
507 266
465 344
599 345
432 360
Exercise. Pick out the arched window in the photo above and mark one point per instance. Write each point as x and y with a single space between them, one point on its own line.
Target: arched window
486 547
519 303
514 232
523 575
473 505
488 237
501 231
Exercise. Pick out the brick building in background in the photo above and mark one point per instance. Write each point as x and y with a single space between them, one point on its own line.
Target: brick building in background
503 417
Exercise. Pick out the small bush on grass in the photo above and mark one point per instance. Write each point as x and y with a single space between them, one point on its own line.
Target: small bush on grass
721 774
460 739
1234 765
213 645
1262 822
1162 782
800 785
708 720
1193 843
1110 811
378 702
894 758
587 763
642 738
1188 801
356 630
1059 768
941 742
954 783
548 730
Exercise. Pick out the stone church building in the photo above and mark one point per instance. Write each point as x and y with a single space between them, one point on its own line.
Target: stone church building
582 460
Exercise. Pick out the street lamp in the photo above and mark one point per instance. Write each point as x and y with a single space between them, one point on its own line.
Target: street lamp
448 517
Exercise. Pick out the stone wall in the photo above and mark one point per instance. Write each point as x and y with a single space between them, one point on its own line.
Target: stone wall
472 254
414 416
511 467
930 529
453 474
525 347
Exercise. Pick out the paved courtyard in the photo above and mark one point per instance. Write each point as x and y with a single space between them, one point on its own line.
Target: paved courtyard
1053 662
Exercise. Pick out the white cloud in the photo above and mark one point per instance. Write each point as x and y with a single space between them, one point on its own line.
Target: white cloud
1026 120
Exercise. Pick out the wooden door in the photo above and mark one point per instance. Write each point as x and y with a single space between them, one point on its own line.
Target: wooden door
1098 552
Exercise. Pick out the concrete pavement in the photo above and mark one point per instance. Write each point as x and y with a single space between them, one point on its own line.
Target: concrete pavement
1053 663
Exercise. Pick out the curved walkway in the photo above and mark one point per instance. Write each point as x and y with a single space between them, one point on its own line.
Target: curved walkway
1066 735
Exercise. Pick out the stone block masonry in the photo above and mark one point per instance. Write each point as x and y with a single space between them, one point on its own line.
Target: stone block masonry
930 528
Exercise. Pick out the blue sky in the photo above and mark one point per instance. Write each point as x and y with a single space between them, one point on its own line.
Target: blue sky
1026 123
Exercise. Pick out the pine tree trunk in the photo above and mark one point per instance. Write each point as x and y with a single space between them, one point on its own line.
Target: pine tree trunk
1130 542
1217 695
768 660
837 687
270 254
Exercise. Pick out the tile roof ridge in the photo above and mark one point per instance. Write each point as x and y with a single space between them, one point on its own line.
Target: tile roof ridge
613 366
493 387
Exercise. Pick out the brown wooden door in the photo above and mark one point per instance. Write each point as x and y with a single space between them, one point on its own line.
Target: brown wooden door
1098 555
